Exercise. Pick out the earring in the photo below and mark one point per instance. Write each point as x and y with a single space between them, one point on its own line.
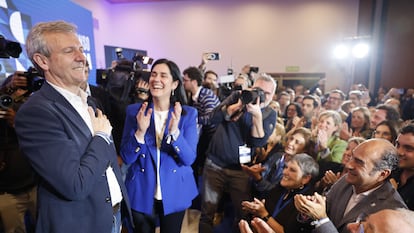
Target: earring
172 92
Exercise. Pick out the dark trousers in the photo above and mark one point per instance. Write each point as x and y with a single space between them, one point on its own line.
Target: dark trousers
216 180
170 223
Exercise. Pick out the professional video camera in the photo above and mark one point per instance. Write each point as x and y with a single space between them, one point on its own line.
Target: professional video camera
9 48
120 81
143 59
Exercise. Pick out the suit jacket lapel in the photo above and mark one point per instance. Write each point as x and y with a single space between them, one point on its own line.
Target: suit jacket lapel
339 205
66 109
364 206
75 118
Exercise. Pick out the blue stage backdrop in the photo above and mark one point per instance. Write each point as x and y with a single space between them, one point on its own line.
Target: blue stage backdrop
18 16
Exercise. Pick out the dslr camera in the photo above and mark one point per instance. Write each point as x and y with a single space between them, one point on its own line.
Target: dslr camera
5 101
34 80
251 96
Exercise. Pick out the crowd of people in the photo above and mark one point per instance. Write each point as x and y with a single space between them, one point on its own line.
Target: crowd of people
75 158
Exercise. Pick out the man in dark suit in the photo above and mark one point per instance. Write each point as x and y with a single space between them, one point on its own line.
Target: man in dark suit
365 189
96 94
67 143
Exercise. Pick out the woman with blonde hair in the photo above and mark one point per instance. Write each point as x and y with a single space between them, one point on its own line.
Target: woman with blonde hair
360 124
329 147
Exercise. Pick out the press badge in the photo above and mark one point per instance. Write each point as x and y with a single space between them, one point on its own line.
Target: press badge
245 154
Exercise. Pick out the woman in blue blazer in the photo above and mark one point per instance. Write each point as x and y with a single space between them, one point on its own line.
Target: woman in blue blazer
159 141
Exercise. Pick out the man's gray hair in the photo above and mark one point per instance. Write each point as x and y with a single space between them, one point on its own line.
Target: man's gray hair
267 78
36 42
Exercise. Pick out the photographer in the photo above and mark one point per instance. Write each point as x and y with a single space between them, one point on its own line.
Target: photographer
126 84
242 124
17 179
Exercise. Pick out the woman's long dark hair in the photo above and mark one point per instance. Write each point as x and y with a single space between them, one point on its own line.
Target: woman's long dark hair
178 94
394 129
297 107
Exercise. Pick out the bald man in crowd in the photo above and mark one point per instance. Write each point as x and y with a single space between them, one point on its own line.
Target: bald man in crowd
364 189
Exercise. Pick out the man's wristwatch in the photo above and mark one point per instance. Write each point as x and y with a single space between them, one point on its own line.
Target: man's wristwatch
266 218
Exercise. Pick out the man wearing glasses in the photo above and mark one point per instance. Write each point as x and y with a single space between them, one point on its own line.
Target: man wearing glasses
335 99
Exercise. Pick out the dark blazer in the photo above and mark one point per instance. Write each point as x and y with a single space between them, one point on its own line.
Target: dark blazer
288 215
102 98
178 185
385 197
73 194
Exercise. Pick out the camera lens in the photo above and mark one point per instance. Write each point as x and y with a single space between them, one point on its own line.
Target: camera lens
5 101
247 97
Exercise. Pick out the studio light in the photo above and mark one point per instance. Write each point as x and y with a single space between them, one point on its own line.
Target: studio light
360 50
341 51
356 47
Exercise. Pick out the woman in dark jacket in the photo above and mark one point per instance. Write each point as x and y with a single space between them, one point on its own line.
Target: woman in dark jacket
278 208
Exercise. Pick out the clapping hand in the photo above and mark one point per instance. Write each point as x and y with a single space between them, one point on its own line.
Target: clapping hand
255 207
143 120
323 139
312 206
254 170
345 132
175 118
258 224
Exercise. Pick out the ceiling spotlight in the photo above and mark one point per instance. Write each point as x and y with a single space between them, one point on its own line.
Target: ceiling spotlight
360 50
340 51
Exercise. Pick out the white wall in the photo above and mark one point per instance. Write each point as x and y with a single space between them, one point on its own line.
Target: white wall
270 34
